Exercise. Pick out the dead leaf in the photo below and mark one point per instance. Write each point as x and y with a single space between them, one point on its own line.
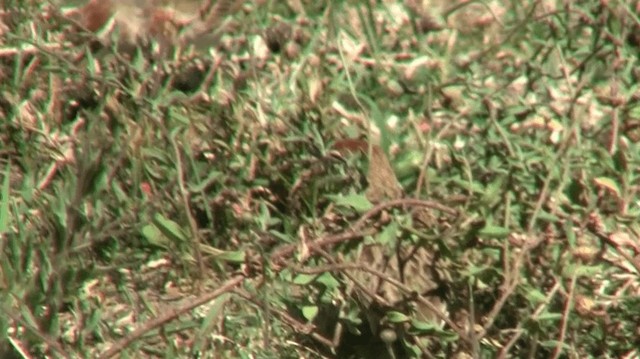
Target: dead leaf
383 184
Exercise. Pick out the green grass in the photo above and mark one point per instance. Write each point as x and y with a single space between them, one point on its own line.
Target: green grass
147 212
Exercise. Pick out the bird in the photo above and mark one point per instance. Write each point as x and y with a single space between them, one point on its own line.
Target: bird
404 261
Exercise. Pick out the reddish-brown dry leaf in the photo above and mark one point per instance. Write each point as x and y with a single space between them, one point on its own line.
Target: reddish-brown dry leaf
95 14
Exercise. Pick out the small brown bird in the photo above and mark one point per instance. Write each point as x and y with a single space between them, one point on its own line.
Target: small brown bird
411 264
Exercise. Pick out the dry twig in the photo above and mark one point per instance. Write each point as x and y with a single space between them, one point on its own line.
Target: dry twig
170 315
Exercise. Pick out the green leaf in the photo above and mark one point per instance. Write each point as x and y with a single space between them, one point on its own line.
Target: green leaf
93 323
286 275
549 317
91 62
492 191
608 183
548 217
310 312
169 228
231 256
490 231
222 255
282 236
474 187
474 271
408 164
154 236
216 310
534 296
328 280
4 201
419 327
304 279
554 344
570 233
212 178
415 349
389 234
397 317
359 202
584 271
424 326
